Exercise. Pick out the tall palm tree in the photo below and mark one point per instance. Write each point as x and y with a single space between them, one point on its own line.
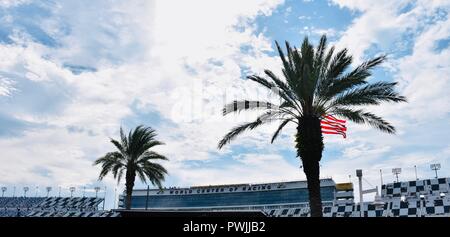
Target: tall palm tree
133 157
316 82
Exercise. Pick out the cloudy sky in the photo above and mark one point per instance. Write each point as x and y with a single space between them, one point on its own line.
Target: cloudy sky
73 72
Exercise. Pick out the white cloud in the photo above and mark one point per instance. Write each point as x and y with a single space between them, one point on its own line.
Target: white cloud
142 52
247 168
385 24
330 32
12 3
424 75
6 86
302 17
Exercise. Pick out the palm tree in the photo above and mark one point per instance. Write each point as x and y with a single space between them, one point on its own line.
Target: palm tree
316 83
134 158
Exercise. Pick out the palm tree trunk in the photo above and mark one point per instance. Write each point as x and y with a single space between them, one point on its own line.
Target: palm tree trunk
129 184
309 144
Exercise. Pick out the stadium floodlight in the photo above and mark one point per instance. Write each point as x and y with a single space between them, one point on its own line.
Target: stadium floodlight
396 172
435 167
72 189
48 190
25 190
96 191
4 190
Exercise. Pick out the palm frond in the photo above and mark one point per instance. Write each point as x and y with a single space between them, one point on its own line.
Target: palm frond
119 146
371 94
323 80
287 68
353 79
124 140
285 88
150 155
320 52
271 86
142 138
277 132
141 174
339 64
108 161
307 51
359 116
155 173
264 118
120 175
238 130
334 68
117 171
150 144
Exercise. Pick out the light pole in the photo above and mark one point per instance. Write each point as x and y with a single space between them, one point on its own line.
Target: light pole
435 167
146 200
72 189
37 190
359 175
96 191
4 190
415 171
59 194
396 172
25 190
104 199
115 196
48 190
84 190
381 177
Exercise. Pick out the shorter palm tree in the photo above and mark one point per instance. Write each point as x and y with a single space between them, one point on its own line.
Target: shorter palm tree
134 158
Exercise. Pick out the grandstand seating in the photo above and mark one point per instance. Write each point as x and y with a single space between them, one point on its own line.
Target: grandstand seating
19 202
52 207
430 197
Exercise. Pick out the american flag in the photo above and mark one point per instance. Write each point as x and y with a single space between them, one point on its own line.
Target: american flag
332 125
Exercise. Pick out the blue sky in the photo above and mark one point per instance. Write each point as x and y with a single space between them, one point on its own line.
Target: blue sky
73 72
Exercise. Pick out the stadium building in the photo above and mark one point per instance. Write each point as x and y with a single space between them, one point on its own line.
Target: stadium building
233 197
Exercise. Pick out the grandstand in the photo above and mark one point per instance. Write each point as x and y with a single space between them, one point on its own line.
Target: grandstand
416 198
53 207
17 206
